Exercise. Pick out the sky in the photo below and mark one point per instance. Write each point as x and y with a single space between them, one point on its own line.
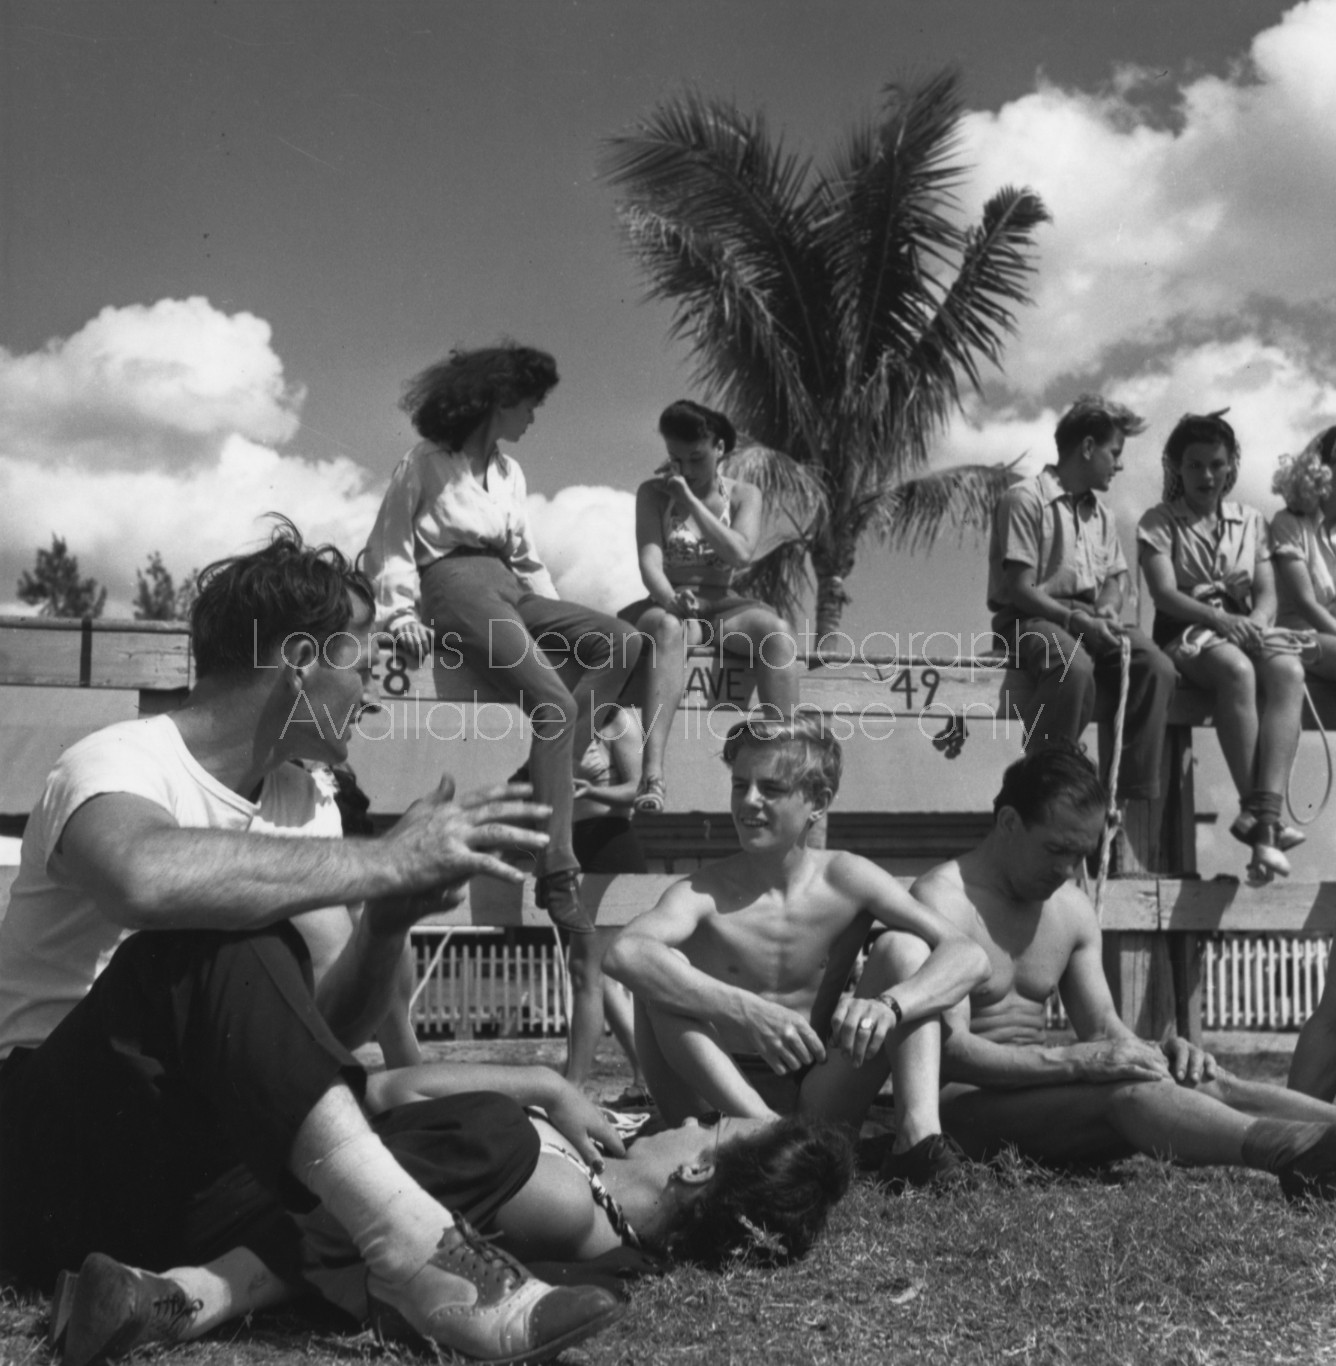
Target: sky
232 230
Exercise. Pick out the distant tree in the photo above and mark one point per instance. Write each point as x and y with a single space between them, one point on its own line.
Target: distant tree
157 597
55 583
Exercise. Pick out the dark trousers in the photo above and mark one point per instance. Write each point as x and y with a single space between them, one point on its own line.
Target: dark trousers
1068 676
156 1122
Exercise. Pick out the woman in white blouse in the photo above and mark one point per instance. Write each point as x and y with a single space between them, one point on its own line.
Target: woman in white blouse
1303 550
454 565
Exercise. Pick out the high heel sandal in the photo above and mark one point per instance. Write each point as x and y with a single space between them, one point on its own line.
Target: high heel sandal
651 796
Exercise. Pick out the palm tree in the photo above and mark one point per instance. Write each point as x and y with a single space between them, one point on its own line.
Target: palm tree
836 313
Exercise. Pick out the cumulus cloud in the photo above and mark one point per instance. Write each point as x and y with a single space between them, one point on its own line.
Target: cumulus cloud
587 537
1217 225
155 428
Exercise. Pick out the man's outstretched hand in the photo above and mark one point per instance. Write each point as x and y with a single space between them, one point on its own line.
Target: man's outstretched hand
439 843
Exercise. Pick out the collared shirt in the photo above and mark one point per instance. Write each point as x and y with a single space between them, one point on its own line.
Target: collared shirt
436 504
1209 555
1070 542
1306 538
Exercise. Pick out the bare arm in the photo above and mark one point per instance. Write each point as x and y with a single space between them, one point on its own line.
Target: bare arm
1264 595
955 964
1293 573
569 1111
980 1061
1032 601
146 872
648 958
736 543
649 540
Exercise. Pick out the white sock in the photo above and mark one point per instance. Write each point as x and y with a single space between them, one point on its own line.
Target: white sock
392 1221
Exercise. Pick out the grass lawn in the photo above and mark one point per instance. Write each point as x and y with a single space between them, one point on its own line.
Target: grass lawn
1143 1264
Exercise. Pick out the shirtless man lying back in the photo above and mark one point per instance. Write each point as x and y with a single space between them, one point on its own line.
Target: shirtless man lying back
740 971
1109 1094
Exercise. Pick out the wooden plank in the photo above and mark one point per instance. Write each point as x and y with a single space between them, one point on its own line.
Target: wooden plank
43 651
1225 905
58 652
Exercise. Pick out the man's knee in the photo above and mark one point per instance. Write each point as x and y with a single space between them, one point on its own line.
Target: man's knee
893 957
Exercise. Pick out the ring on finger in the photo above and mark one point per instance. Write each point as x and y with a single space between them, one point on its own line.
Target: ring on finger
865 1024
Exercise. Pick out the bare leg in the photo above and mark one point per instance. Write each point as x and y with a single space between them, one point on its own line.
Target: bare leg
768 643
689 1069
1282 680
619 1013
585 961
666 661
1260 1100
838 1090
1228 673
1096 1123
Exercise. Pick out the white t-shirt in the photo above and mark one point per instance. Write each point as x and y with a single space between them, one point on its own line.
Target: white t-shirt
54 940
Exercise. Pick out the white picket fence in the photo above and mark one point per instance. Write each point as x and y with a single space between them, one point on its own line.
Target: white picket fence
471 981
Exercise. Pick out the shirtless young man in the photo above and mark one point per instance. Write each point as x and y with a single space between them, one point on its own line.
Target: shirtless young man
1110 1094
739 972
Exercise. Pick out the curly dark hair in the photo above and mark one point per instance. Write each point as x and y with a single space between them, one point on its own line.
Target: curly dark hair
450 399
249 604
769 1197
1059 773
687 420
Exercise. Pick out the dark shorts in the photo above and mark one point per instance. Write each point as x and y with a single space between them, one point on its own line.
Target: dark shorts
779 1090
711 615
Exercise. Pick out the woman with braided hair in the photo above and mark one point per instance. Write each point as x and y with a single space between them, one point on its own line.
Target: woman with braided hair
1207 562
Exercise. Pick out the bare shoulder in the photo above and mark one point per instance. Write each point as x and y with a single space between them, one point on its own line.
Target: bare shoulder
1069 908
851 874
651 493
744 494
943 889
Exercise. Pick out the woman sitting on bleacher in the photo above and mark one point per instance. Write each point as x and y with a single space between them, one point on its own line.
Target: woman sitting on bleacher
696 529
1207 562
1303 551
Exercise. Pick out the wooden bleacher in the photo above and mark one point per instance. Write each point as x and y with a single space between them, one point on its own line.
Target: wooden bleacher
1153 919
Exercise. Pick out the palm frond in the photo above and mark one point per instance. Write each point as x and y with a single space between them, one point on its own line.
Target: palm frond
913 514
977 312
885 216
780 578
793 497
710 200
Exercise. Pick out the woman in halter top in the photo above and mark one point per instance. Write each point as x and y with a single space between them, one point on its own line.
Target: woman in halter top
696 529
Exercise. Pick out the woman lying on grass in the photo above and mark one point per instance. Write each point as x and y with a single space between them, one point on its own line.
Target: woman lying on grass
743 1188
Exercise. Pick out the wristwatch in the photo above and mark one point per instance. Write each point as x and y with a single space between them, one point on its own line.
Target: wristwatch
888 1000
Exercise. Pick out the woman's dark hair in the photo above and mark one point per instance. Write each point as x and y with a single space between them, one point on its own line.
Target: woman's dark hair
248 605
1206 429
769 1197
689 421
1038 781
450 399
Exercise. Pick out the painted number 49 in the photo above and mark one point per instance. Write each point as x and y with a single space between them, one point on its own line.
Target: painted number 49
928 681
